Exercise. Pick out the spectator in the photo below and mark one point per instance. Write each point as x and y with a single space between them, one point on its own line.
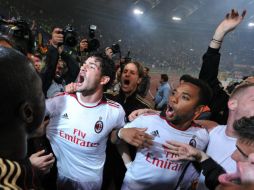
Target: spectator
210 67
83 51
162 94
58 83
144 85
55 54
109 52
130 100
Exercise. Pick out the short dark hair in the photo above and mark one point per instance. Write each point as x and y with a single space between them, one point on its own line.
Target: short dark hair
185 77
107 68
16 76
164 77
240 88
205 92
244 128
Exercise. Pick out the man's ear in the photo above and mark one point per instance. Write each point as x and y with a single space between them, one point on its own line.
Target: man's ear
232 104
139 80
26 113
198 111
105 80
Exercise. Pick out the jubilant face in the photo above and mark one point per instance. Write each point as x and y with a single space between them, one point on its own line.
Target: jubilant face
182 103
60 68
130 78
244 157
243 149
89 76
109 53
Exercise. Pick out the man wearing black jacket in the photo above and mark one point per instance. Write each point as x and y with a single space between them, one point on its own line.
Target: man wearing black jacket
55 53
210 67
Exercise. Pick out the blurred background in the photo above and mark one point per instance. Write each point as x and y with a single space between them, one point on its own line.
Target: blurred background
165 35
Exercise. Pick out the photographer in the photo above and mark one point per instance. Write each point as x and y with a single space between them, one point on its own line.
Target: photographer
56 53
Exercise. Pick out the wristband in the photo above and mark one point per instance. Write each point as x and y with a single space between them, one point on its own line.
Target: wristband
119 136
217 41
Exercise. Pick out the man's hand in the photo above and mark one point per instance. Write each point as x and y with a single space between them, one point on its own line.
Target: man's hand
231 21
136 137
42 162
139 112
57 37
184 151
71 88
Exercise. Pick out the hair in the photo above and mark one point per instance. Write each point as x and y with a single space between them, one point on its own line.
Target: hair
139 68
147 69
107 68
244 129
205 92
185 78
17 76
240 89
164 77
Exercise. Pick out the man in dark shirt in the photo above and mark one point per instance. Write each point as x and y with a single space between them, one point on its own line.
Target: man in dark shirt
23 106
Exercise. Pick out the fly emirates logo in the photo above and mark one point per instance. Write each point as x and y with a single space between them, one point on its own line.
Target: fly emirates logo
77 137
164 163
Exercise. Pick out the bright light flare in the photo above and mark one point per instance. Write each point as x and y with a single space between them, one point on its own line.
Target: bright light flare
176 18
138 12
251 24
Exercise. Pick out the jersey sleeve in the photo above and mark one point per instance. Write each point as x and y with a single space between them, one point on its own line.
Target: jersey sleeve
138 122
50 106
121 118
203 139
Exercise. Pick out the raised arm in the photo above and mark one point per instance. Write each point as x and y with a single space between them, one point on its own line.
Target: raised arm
210 67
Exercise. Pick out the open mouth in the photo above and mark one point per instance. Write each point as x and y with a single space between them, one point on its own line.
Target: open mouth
81 79
232 178
170 111
126 82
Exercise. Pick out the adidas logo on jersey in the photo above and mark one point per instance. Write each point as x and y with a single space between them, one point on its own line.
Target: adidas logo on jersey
155 133
65 116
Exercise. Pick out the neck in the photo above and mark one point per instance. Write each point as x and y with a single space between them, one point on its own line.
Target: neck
91 98
230 130
129 93
183 125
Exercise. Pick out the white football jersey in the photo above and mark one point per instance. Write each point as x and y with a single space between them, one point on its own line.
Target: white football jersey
78 135
220 148
152 168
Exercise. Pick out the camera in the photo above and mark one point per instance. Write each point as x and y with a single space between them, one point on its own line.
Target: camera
70 36
116 48
93 44
19 32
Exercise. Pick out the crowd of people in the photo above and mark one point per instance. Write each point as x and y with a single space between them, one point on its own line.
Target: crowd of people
74 117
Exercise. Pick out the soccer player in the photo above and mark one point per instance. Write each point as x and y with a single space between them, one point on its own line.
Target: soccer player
152 167
80 124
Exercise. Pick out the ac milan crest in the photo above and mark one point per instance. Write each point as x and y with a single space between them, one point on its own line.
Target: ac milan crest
98 126
193 142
